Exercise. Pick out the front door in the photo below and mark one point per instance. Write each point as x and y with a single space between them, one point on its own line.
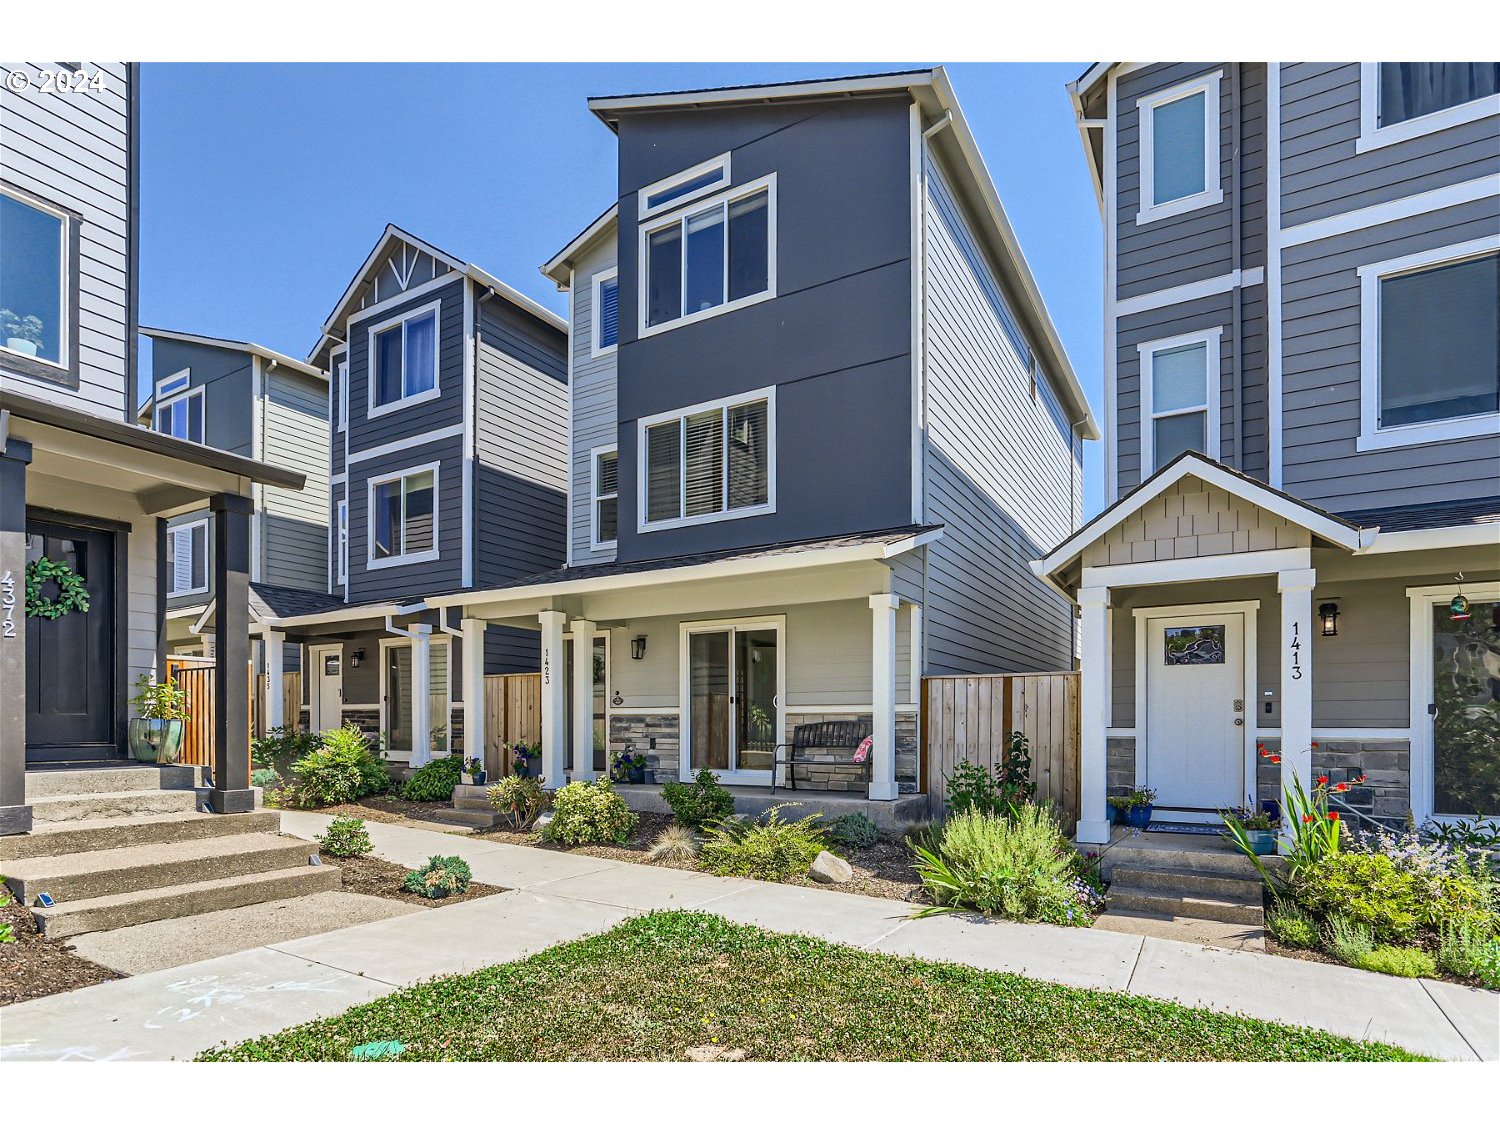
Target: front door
733 681
327 695
1465 710
70 659
1195 710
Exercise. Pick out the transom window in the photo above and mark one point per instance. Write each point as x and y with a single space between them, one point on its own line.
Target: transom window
403 359
679 188
606 311
716 461
33 280
187 558
704 260
174 384
1179 149
403 517
606 496
1180 412
182 416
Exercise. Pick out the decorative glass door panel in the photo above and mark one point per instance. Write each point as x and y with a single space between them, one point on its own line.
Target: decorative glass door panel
1466 711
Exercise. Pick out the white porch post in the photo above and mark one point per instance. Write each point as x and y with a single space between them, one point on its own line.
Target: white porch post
1093 753
554 698
583 699
274 647
883 770
1296 588
473 658
421 695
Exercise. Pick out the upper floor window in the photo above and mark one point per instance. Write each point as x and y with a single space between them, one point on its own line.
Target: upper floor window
1179 149
716 461
1402 100
343 543
341 377
606 306
1430 345
187 558
681 187
403 517
1179 396
181 415
403 359
707 259
605 496
33 280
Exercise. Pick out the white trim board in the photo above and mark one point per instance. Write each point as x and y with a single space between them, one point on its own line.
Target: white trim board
1373 135
412 442
1191 291
1245 564
1377 214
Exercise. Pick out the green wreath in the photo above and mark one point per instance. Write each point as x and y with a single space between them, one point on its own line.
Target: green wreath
71 594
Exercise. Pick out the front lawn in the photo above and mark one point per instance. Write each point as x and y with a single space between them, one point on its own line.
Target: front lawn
661 986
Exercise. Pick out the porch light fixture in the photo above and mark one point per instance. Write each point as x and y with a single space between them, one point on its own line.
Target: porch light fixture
356 658
638 648
1329 613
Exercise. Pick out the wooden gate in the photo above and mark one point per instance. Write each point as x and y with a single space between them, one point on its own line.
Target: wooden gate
512 713
969 718
195 675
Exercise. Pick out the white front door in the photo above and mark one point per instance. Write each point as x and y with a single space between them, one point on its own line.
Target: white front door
1195 710
327 694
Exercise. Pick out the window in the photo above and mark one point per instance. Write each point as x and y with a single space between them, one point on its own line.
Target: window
403 360
403 517
174 384
34 280
715 462
1399 101
705 260
187 558
341 376
605 496
1179 149
182 416
689 184
1179 396
1430 345
343 533
606 332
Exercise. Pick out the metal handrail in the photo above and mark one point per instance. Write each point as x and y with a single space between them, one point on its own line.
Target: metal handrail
1344 807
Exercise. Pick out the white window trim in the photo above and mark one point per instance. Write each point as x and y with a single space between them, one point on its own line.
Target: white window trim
173 400
170 561
434 307
174 383
405 559
341 534
434 720
1146 352
595 496
1371 434
1373 135
611 274
677 215
64 292
341 375
1213 181
643 473
721 162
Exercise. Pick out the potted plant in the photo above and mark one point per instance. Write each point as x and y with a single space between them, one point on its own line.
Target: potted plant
629 767
474 772
1134 808
22 333
156 735
1257 827
523 759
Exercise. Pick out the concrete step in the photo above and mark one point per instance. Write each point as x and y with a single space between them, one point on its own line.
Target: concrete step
111 912
105 806
1154 900
68 836
1208 859
1236 888
115 779
83 875
1200 931
481 804
474 818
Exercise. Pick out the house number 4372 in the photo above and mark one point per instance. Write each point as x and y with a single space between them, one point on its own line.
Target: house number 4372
8 605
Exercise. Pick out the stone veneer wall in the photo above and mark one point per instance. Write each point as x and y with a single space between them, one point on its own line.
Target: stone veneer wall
1386 793
1119 765
366 718
845 780
635 732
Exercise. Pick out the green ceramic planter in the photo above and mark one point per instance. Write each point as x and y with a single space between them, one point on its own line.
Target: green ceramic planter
156 740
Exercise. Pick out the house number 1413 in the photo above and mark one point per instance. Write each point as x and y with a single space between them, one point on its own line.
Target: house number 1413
1296 647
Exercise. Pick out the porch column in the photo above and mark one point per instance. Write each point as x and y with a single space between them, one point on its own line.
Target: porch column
421 695
275 643
1093 753
15 813
883 725
231 790
473 658
583 699
554 698
1296 588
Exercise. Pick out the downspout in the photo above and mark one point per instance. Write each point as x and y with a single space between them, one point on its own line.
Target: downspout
927 134
1237 292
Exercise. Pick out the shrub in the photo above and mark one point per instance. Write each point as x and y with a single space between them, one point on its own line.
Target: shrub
349 740
1017 867
346 837
1292 926
519 800
439 877
1398 961
1365 888
341 769
1470 951
774 850
972 788
1348 940
265 778
675 842
279 747
433 782
705 801
586 812
853 831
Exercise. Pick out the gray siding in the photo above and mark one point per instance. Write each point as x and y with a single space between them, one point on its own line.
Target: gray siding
595 417
294 527
409 581
227 377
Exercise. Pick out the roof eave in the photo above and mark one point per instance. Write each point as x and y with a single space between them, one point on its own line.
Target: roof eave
559 266
249 347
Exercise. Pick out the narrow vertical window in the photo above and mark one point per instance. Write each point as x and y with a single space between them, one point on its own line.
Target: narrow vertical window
343 542
606 312
1179 158
606 497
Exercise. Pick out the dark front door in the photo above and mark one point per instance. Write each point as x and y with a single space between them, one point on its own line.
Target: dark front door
70 660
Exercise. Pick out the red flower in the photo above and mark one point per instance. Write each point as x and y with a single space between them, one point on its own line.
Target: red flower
1307 818
1333 816
1341 787
1323 780
1315 745
1276 759
1362 778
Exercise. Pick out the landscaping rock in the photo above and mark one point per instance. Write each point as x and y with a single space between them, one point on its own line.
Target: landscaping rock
829 868
542 821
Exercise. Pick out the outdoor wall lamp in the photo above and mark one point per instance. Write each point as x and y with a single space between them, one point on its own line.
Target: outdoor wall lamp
356 658
638 648
1329 613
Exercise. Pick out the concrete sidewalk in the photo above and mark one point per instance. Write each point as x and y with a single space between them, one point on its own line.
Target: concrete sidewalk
557 897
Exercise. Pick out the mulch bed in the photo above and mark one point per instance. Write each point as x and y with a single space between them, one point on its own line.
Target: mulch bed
34 966
389 810
366 875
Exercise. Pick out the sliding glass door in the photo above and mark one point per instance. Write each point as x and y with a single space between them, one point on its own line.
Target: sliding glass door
732 698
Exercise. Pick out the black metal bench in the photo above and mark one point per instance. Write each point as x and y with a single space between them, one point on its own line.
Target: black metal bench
821 744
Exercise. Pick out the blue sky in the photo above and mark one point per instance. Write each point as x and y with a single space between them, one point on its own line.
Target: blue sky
265 185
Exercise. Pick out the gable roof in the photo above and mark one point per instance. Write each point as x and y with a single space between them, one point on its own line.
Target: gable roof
249 347
557 267
933 93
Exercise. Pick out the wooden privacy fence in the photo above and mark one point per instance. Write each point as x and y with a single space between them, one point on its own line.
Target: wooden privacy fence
196 678
291 702
512 713
969 718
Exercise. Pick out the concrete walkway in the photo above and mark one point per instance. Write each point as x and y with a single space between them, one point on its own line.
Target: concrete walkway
557 897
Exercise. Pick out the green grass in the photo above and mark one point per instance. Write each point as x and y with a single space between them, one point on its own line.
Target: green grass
657 985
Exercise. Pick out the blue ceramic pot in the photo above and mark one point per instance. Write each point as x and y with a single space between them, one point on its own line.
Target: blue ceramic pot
1138 816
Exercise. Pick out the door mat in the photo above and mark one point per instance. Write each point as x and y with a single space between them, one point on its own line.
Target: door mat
1187 829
